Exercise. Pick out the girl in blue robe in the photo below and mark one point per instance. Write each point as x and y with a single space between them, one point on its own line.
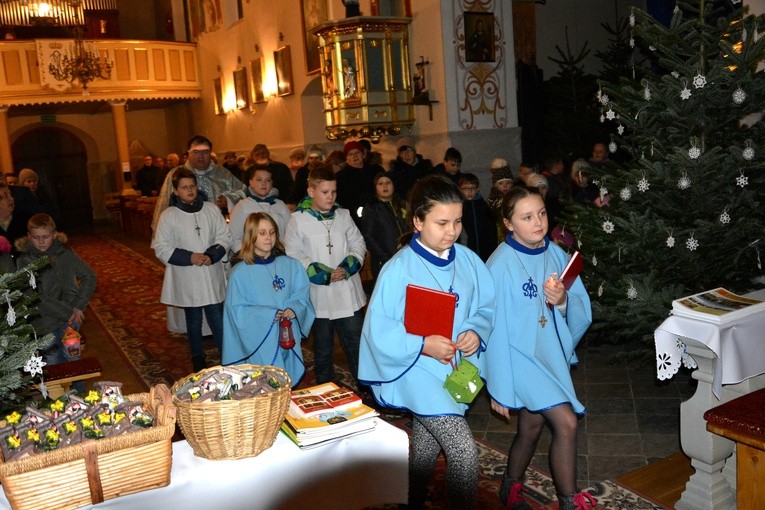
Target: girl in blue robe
408 371
537 326
266 286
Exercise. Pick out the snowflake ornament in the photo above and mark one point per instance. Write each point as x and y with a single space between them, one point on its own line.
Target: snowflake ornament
691 243
647 93
670 241
610 114
643 185
604 99
748 153
34 365
684 182
608 227
620 130
742 180
612 147
739 96
699 81
694 152
725 217
685 94
632 292
625 193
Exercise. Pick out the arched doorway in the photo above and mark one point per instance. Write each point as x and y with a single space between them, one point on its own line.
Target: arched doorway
60 159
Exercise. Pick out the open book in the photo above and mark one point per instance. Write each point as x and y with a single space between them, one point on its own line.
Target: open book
716 306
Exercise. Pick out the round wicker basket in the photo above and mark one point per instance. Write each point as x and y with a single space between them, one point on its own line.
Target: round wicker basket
233 429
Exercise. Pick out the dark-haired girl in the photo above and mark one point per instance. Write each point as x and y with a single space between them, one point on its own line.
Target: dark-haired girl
531 349
407 371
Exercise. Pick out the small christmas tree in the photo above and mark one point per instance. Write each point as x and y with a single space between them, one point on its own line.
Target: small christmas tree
686 211
18 341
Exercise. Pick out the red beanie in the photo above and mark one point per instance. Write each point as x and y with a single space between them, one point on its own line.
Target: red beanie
353 144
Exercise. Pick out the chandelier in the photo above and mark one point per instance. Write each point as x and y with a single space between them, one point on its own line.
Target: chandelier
81 64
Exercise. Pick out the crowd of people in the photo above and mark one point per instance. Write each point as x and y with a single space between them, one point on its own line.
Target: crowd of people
273 252
291 256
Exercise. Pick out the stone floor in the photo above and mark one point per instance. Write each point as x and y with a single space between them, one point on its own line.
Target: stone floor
632 419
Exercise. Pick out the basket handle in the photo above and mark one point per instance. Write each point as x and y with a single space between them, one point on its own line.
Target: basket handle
161 403
90 449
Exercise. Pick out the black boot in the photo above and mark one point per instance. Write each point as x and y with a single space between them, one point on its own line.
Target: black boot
579 501
198 362
511 493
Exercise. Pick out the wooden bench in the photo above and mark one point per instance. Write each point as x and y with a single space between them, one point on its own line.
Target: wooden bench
742 420
59 378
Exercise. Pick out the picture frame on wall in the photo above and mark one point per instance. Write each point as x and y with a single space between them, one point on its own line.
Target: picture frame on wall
218 95
241 89
479 37
283 66
313 12
256 75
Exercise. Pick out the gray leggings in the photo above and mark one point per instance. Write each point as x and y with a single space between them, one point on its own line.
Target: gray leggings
430 435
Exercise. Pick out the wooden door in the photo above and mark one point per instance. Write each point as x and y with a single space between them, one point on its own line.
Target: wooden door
60 160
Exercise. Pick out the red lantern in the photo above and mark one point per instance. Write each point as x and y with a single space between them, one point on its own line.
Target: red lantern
286 339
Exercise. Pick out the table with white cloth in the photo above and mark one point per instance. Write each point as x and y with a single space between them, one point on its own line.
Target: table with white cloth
729 361
356 472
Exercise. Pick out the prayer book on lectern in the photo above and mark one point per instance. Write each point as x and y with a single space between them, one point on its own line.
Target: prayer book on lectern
429 312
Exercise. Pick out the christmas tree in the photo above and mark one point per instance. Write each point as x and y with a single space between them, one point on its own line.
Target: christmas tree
686 212
19 345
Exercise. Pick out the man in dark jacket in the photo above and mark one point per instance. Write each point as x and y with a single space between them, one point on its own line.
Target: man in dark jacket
408 168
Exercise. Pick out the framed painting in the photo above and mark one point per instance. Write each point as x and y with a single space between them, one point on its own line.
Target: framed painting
241 89
218 95
256 75
283 65
313 12
203 16
479 36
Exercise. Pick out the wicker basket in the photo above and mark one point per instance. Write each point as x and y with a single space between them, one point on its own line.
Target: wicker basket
233 429
96 470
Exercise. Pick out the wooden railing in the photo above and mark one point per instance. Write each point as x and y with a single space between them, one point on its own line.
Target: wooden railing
140 70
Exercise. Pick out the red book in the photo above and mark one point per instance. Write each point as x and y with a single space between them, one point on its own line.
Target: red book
572 270
429 312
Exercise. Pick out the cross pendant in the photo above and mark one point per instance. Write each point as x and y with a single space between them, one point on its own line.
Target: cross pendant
543 320
198 230
329 245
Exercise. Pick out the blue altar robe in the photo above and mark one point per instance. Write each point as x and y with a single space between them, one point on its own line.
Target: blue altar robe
390 359
527 365
252 303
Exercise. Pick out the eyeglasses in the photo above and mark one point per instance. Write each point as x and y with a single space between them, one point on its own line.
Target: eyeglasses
196 152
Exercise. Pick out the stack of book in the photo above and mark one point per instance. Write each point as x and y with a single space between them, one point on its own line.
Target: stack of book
325 413
717 306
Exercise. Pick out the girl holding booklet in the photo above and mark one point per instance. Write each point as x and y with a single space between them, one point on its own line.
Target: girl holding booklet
264 288
530 351
408 371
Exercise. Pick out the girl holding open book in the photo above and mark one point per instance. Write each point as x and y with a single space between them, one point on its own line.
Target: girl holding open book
408 371
531 349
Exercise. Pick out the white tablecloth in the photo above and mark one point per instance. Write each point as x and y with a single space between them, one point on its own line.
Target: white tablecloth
739 346
365 470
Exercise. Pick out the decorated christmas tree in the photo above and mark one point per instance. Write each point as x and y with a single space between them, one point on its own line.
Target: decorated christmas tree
20 347
687 210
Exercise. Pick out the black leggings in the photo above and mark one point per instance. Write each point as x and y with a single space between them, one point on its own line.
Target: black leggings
562 455
430 435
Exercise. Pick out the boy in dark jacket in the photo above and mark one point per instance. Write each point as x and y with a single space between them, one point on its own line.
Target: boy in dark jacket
64 287
478 221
